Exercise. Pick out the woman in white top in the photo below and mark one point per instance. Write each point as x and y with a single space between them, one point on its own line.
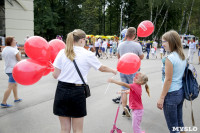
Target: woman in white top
192 49
70 100
11 56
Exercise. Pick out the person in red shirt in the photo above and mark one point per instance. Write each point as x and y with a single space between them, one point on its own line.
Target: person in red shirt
135 98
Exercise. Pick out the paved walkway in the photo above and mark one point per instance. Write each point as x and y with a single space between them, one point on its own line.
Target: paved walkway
34 114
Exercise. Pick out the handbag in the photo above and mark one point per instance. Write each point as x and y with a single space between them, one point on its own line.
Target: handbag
86 86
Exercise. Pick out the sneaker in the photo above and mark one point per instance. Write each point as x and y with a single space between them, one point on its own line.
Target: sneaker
116 100
127 111
17 101
5 105
123 114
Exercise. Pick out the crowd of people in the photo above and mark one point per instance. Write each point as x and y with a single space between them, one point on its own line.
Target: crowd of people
104 48
70 101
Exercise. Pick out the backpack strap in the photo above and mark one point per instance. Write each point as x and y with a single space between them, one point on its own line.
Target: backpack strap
192 115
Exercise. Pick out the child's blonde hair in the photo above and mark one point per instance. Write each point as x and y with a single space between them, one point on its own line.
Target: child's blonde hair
144 80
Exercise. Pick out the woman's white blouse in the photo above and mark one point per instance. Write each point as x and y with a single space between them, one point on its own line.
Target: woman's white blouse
84 59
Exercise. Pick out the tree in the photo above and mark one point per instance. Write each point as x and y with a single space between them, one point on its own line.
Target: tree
90 16
53 17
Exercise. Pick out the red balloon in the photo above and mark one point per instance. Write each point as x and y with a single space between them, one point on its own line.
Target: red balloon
48 69
37 48
145 29
55 46
129 63
28 72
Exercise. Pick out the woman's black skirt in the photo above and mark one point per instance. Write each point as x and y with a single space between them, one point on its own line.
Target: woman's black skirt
70 100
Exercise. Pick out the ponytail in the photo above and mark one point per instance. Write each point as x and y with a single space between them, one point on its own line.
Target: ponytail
69 50
147 89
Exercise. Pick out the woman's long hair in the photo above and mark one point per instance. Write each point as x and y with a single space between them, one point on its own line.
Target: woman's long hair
173 38
73 37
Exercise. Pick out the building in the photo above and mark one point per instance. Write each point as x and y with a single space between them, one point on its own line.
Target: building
16 19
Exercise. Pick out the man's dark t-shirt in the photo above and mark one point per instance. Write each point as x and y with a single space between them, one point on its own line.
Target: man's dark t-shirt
148 45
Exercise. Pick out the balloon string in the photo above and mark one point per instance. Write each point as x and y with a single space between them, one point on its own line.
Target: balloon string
108 85
50 67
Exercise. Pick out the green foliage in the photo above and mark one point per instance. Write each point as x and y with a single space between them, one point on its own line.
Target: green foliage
59 17
90 16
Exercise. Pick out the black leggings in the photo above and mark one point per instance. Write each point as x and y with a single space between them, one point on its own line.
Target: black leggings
97 51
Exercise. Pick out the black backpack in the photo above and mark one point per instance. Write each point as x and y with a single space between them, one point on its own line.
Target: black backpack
190 86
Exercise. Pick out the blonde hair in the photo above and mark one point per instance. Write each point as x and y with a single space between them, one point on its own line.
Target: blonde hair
144 80
73 37
130 32
173 38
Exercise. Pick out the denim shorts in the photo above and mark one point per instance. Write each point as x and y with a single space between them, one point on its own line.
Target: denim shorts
69 101
111 50
103 49
173 111
127 79
11 79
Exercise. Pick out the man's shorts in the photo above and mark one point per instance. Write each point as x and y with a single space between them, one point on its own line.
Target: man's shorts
127 79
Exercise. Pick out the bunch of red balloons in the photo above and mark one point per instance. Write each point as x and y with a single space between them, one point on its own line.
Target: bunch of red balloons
42 54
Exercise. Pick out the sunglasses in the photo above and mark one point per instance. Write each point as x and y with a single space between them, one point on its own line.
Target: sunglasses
164 41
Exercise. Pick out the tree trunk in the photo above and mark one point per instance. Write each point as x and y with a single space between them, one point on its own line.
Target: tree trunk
64 24
151 10
162 23
104 15
182 21
110 24
118 20
155 21
189 18
159 12
100 12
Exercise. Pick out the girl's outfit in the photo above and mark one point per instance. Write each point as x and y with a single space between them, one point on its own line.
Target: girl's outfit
161 50
104 47
173 101
111 47
135 103
153 52
114 47
70 100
